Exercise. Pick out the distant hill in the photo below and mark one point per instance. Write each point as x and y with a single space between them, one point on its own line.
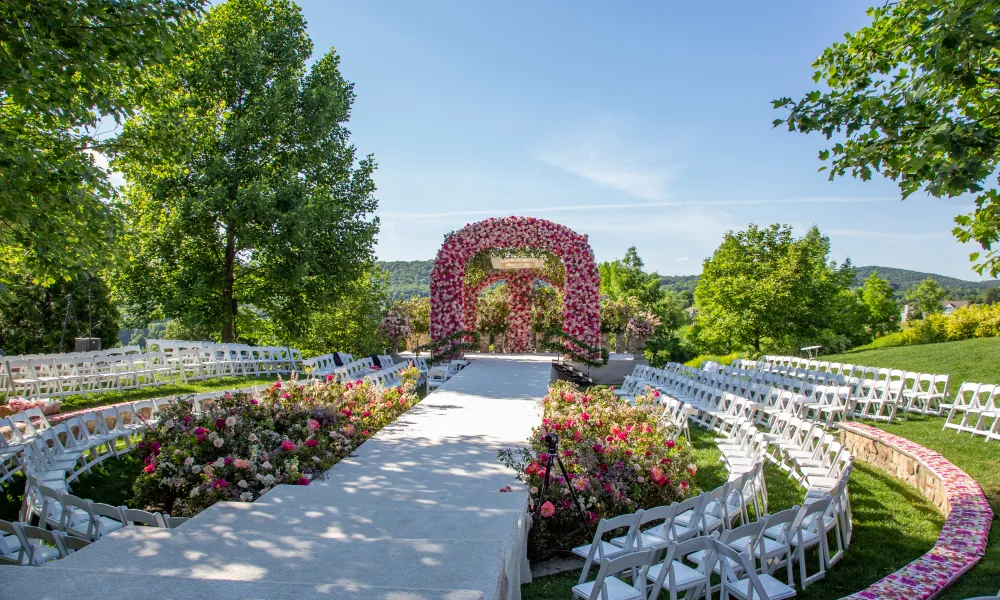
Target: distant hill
412 278
902 280
408 278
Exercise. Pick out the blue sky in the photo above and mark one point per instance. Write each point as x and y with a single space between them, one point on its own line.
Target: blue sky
645 124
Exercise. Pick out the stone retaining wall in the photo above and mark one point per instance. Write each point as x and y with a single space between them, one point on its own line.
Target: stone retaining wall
963 538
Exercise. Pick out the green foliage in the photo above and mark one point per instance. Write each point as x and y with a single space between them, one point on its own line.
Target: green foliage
724 360
882 311
493 310
902 280
624 278
763 289
63 66
546 308
32 316
418 311
351 323
973 321
557 340
913 97
926 297
408 278
992 296
261 200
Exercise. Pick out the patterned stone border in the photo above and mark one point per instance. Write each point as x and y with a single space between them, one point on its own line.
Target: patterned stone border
963 539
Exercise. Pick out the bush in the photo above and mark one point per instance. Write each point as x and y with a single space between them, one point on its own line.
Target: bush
974 321
724 360
241 446
619 458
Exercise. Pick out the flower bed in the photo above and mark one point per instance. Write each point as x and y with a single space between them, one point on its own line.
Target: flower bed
241 446
619 458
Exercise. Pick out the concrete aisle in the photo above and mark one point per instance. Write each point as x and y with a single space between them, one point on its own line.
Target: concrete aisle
414 514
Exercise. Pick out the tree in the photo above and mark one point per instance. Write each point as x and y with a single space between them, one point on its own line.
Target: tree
64 66
992 295
926 297
418 311
351 323
625 278
762 286
32 316
913 97
880 305
261 199
546 308
493 309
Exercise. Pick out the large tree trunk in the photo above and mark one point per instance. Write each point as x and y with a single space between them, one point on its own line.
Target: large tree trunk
229 303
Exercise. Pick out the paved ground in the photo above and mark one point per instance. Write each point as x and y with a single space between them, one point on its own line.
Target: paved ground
414 515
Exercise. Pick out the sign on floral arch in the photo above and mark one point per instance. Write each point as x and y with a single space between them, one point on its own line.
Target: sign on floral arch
450 296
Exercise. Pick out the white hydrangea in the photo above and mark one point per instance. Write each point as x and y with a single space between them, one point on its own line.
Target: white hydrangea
218 442
242 483
195 491
246 496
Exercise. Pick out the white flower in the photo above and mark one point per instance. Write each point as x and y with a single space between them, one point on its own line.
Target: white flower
534 490
218 442
246 496
196 469
189 461
230 421
195 491
252 437
315 459
641 480
242 483
219 463
265 465
169 424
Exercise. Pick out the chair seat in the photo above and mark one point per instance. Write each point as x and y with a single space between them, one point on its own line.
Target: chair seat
616 588
609 551
685 576
651 538
774 589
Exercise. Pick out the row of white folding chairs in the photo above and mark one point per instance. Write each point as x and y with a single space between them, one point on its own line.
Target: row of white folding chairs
930 389
975 409
439 374
28 545
877 398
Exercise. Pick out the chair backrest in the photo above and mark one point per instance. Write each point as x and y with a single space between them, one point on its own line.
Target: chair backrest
676 551
636 560
728 559
134 516
13 546
629 522
36 555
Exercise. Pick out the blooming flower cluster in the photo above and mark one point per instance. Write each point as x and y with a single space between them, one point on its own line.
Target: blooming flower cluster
21 404
641 326
395 326
619 458
448 291
239 447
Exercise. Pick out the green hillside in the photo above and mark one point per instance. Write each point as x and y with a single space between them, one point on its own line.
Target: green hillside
967 360
408 278
412 278
903 279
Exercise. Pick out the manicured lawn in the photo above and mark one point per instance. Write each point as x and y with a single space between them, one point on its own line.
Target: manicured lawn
893 525
975 360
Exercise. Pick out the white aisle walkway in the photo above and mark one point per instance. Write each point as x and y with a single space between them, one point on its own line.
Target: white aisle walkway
414 515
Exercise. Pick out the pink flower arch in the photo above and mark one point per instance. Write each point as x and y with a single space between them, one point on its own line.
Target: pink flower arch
581 312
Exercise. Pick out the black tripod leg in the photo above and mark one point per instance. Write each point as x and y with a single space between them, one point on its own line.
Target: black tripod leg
572 493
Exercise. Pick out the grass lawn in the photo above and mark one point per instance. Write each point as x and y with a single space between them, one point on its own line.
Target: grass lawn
968 360
71 403
893 525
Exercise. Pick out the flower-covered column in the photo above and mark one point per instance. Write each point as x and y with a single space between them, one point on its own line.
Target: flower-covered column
519 319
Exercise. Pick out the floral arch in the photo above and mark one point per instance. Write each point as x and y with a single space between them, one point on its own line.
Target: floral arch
452 299
519 283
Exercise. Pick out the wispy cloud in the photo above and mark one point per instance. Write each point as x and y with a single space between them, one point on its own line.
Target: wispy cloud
530 210
681 259
606 153
883 234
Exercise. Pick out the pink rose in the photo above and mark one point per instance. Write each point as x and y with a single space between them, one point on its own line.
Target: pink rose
311 442
288 445
547 510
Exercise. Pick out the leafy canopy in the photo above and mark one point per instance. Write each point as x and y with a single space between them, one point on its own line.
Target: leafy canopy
763 287
63 67
926 297
913 96
245 189
883 313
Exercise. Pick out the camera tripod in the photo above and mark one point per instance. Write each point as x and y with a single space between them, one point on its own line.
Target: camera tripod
552 447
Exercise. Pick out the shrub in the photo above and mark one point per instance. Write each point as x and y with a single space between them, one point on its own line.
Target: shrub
619 458
724 360
974 321
239 447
